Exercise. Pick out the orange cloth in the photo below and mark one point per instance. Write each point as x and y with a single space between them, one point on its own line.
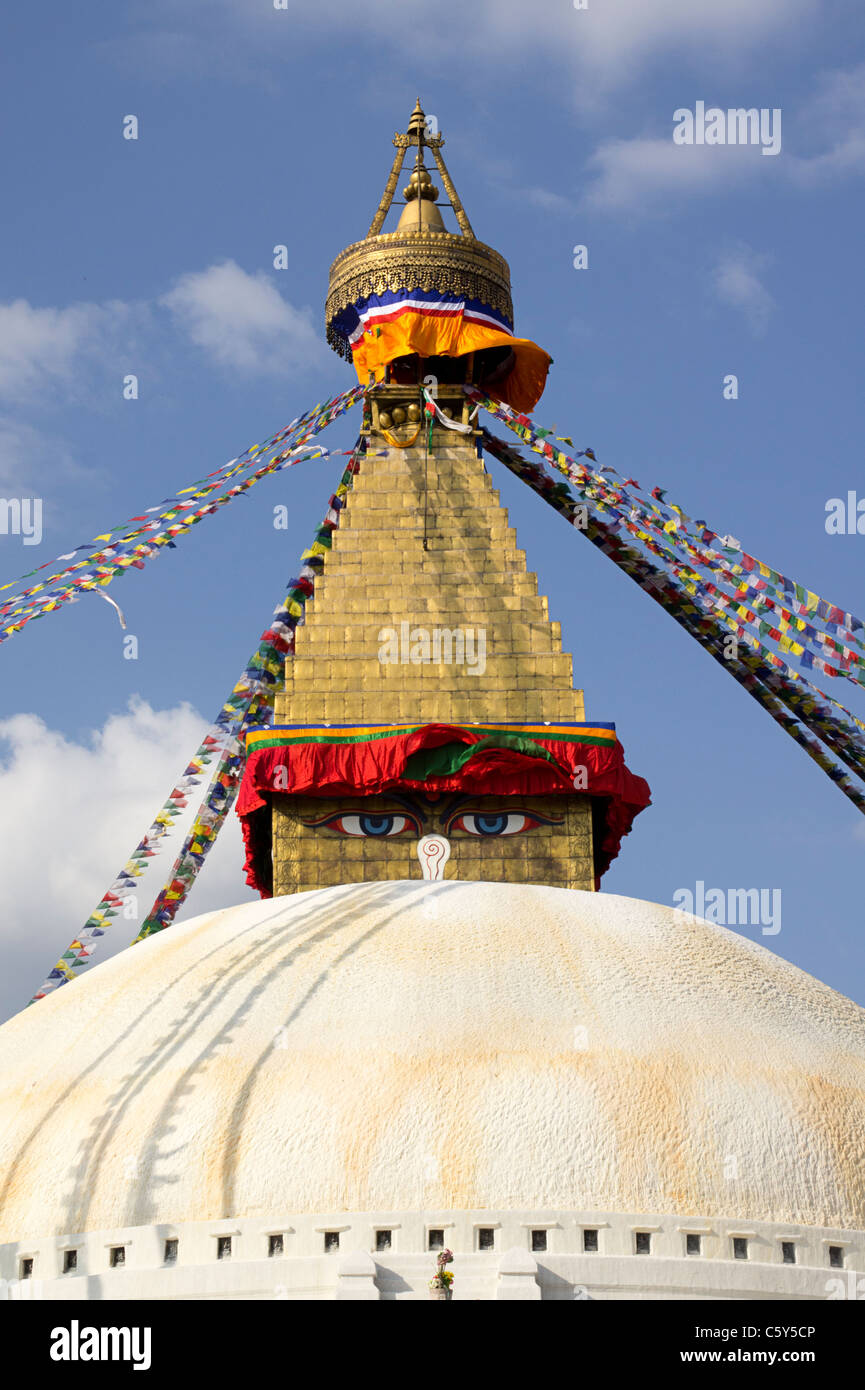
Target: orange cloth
449 335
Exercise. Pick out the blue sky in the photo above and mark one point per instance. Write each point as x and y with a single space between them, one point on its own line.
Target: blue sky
261 126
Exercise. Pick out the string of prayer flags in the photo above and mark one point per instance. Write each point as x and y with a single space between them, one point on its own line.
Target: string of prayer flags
299 428
771 687
738 619
250 702
806 601
844 629
842 736
277 644
116 899
159 527
591 487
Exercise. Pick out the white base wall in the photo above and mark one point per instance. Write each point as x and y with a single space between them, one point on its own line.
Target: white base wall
509 1271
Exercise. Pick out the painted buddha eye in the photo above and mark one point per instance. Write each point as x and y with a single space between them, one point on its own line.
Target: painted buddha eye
369 826
494 823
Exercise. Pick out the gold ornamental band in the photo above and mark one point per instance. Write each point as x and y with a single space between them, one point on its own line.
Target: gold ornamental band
439 261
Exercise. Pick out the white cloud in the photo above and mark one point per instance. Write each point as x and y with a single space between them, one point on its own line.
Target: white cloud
25 456
604 44
824 140
71 812
648 174
834 118
548 200
47 347
242 321
736 279
610 39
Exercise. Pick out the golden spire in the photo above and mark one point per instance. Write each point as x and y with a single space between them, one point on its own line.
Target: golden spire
417 123
420 253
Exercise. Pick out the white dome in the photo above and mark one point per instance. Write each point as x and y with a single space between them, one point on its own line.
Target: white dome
413 1046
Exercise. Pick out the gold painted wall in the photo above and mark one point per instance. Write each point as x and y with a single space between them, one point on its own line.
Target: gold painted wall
318 857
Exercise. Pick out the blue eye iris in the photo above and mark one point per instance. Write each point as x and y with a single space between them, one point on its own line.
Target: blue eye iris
365 826
376 825
495 823
490 825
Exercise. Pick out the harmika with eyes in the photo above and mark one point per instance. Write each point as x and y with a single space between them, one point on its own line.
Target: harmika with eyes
387 836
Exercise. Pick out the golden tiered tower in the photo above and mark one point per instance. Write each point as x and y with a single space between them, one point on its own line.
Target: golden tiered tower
424 550
425 624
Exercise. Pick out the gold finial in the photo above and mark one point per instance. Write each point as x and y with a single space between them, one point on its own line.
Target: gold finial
417 123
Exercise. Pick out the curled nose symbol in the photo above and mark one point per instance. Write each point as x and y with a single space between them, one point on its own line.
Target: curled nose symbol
433 851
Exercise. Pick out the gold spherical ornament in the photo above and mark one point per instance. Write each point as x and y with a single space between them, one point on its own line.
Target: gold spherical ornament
414 414
448 412
399 415
384 420
421 184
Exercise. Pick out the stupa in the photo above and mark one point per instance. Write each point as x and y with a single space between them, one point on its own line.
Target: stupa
434 1035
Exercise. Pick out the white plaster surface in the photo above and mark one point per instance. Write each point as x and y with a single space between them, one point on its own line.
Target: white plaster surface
443 1047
